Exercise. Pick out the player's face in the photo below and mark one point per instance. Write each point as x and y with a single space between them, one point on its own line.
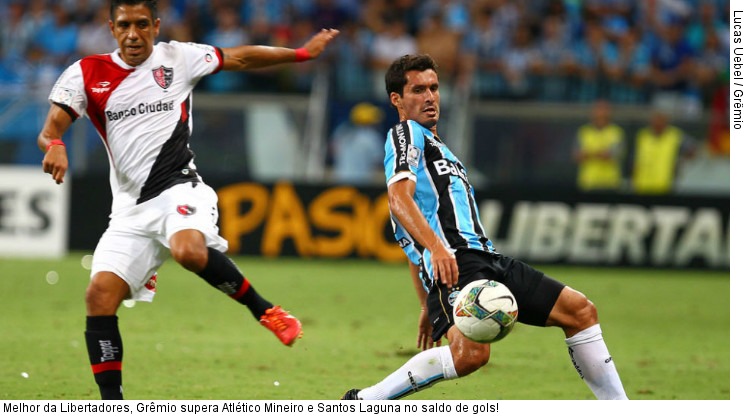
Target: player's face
135 32
420 99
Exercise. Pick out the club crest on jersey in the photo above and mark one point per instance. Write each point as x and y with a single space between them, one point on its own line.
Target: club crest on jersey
186 210
413 155
163 76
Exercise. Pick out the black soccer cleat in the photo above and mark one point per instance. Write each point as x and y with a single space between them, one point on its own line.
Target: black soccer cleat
351 395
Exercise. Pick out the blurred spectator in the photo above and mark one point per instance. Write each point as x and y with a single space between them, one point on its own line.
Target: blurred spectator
178 27
53 47
353 81
386 47
82 11
326 14
710 65
656 14
357 146
629 79
228 33
703 23
262 32
553 59
55 41
377 14
15 40
352 8
95 35
658 150
672 67
614 16
443 44
482 48
16 33
453 14
272 12
600 151
299 77
38 14
520 62
593 56
506 17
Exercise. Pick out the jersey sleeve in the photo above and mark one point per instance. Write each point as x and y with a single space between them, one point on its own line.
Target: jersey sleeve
403 152
69 91
200 59
406 242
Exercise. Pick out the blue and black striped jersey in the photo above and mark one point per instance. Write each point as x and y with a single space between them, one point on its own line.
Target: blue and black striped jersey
443 193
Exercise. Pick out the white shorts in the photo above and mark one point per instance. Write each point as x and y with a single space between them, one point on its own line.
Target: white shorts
135 243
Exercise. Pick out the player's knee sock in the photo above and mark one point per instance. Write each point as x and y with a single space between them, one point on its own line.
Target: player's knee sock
105 351
421 371
592 360
224 275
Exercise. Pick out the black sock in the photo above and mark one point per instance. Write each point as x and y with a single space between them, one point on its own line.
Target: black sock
106 352
224 275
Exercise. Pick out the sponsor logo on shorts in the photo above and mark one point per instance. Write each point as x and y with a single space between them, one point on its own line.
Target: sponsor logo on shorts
186 210
152 283
452 296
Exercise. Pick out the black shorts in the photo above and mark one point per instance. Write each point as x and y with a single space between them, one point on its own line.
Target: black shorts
535 292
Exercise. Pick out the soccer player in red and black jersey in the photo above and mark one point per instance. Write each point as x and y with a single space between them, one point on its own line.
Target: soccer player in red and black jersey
139 100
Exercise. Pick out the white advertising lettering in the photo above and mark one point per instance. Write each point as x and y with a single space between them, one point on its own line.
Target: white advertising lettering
449 168
402 144
601 233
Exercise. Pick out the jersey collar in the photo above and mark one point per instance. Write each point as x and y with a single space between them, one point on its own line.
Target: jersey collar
120 62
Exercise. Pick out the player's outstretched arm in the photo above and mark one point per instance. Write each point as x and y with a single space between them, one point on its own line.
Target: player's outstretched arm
402 205
50 142
249 57
423 338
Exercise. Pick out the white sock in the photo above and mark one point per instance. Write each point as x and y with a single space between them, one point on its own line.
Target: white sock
420 371
592 360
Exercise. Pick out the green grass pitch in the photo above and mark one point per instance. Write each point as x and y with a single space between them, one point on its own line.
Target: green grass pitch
668 332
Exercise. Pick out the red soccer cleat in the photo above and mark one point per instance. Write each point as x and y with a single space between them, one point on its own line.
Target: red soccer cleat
285 326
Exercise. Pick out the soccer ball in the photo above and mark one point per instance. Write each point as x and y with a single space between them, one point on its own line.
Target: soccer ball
485 311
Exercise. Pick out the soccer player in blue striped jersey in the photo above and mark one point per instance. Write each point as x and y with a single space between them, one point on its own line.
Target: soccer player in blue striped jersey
436 222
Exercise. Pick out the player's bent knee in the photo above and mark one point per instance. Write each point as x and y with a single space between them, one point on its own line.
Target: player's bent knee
471 359
104 294
587 315
573 312
581 311
468 356
192 257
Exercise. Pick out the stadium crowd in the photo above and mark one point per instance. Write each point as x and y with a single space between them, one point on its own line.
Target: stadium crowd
624 51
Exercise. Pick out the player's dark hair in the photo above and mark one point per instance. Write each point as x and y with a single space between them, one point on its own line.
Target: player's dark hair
395 78
150 4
